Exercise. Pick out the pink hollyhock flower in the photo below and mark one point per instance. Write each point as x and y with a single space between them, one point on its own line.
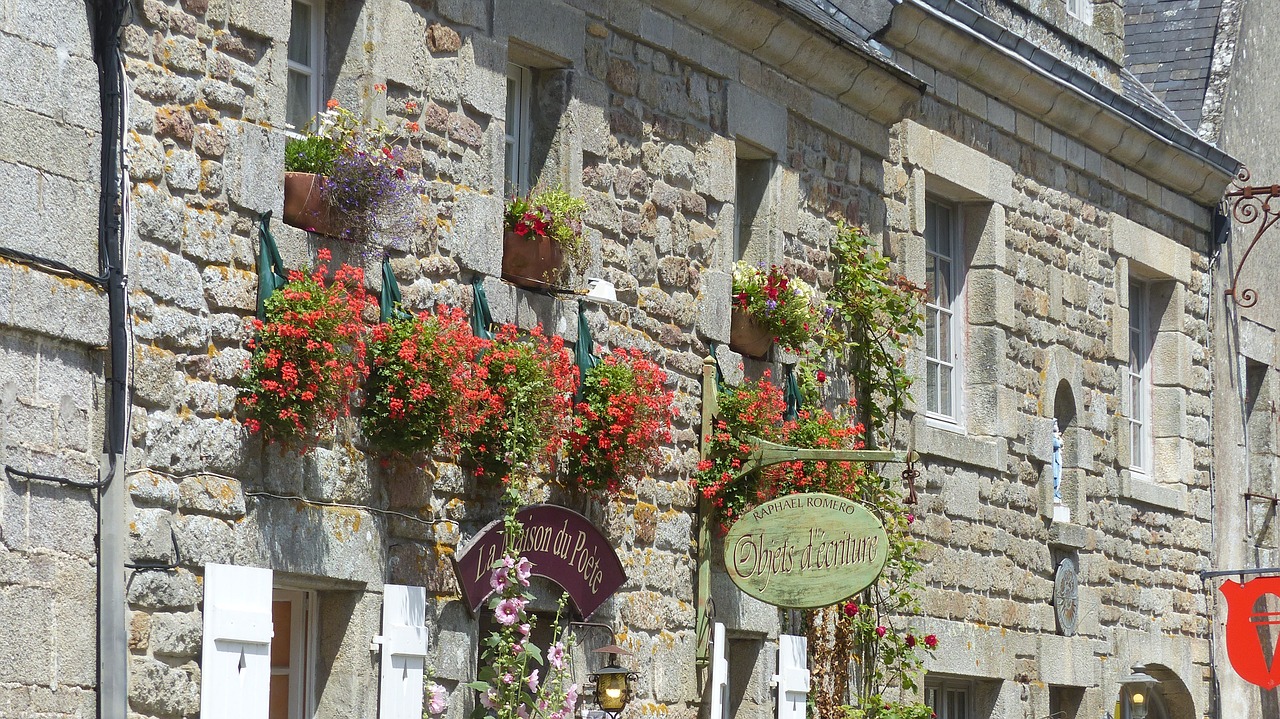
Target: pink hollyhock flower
533 681
499 580
508 611
508 678
525 629
439 699
571 698
524 568
555 655
522 711
488 699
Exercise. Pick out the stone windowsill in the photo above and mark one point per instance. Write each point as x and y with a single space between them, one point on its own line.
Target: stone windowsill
1069 535
947 443
1145 491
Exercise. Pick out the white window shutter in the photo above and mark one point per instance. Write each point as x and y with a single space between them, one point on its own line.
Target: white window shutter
404 651
793 676
235 664
719 674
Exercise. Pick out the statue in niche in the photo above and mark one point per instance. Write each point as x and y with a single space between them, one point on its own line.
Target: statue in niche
1057 463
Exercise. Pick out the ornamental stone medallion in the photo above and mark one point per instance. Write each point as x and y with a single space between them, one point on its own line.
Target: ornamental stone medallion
1066 596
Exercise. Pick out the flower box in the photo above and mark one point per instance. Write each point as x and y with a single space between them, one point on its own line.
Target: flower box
532 261
305 206
747 336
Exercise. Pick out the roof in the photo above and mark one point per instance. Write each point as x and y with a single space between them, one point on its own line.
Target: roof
1168 45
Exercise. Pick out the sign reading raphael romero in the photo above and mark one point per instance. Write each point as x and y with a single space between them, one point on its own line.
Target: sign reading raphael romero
805 551
563 546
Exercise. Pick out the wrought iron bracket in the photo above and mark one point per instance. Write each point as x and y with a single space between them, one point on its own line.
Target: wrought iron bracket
1249 204
763 453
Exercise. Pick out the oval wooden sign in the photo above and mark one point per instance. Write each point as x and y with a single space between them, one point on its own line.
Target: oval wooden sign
805 551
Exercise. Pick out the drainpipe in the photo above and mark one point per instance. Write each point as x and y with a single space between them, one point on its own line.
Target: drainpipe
113 651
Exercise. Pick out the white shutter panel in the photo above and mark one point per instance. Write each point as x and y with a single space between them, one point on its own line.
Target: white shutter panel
404 651
719 674
793 676
235 665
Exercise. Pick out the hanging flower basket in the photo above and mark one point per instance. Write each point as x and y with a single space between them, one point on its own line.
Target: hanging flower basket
541 231
532 261
305 206
747 336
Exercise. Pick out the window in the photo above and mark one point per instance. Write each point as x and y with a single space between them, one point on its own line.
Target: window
1080 9
306 54
751 201
1139 371
948 700
519 131
293 623
942 319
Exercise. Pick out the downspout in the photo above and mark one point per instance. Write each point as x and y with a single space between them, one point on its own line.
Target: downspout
113 650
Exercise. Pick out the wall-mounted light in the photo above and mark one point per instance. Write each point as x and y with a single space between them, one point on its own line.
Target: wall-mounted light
1139 685
613 683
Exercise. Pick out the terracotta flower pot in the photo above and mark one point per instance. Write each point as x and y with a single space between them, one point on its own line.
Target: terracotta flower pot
306 208
748 337
531 261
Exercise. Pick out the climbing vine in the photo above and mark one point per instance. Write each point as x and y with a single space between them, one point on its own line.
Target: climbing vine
876 316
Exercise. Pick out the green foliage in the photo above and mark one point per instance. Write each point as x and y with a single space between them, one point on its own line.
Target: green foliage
869 632
310 154
877 313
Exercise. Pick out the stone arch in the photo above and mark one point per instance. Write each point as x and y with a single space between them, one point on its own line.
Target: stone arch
1177 699
1059 398
1065 411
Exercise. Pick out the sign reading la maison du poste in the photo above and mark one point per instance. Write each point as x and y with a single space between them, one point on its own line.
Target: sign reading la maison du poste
805 550
563 546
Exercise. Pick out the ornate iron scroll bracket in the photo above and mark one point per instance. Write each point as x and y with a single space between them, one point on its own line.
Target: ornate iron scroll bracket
763 454
1249 204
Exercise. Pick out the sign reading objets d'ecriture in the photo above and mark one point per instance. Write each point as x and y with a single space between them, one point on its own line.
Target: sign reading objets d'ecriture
805 551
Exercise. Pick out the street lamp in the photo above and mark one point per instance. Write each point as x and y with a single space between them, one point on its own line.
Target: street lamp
613 683
1139 685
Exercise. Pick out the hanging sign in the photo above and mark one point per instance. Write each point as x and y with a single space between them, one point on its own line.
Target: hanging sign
805 551
563 546
1244 640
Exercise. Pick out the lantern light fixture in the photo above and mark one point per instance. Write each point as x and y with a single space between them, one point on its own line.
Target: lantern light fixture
1139 685
613 683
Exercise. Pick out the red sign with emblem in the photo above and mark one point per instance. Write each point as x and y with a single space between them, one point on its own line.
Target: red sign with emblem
1252 660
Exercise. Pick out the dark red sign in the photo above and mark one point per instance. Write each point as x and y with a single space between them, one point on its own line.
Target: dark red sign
563 546
1254 663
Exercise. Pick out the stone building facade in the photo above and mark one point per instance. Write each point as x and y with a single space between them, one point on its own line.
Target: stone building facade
1007 143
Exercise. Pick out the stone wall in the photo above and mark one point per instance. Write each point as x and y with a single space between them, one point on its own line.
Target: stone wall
51 362
651 109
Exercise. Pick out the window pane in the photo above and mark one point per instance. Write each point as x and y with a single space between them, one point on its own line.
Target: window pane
944 389
943 231
931 374
298 112
278 699
931 277
943 296
931 333
300 34
945 353
931 227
